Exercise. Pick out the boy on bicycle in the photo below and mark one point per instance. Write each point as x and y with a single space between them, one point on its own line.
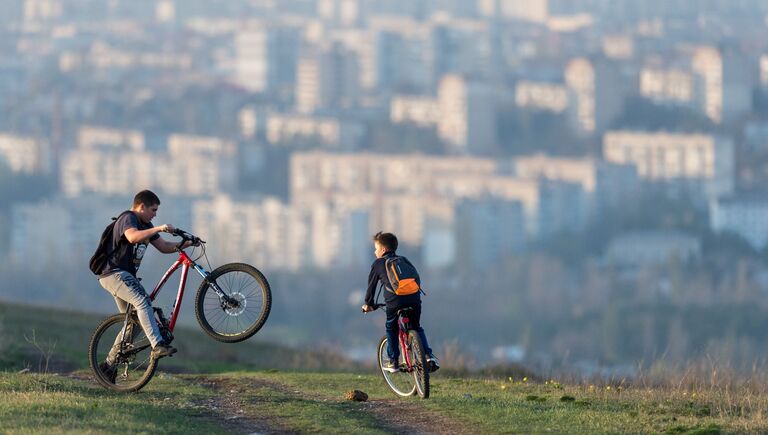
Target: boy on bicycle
131 234
385 245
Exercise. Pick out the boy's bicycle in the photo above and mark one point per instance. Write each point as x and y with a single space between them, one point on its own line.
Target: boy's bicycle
231 305
413 374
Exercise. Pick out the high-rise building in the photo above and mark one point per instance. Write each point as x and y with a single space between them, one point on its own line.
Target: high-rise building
327 79
96 137
726 82
542 96
701 164
36 11
599 91
24 154
525 10
708 65
605 184
468 115
403 55
670 86
346 13
266 58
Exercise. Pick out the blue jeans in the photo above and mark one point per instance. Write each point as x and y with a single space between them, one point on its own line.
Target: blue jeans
126 289
393 347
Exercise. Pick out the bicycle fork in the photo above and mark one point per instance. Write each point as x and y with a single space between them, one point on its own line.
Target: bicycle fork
227 302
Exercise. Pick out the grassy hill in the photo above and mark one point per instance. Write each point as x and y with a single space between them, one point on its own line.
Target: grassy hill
260 387
29 333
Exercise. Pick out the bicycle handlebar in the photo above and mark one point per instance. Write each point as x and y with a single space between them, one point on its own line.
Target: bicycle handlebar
185 236
375 307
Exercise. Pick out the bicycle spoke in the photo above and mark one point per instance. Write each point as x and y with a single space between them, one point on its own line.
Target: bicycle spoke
128 350
242 311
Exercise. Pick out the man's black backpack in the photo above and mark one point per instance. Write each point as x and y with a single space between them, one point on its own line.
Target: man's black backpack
103 253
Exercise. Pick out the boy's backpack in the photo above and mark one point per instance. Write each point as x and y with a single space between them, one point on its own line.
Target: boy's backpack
402 276
103 254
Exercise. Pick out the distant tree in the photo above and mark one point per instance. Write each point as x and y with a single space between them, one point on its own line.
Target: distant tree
403 138
523 131
643 114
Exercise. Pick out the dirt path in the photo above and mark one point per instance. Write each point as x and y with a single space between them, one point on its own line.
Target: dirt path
395 416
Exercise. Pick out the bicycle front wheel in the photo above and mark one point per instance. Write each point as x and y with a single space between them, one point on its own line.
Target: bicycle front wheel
120 354
243 309
419 361
401 383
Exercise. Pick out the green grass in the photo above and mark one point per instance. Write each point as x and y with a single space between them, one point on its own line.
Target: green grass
314 402
34 403
504 406
297 408
294 399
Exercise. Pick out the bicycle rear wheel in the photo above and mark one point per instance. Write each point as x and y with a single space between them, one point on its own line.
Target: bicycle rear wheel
401 383
419 361
243 313
124 343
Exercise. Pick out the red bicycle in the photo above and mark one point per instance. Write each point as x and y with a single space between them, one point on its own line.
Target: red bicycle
412 376
231 305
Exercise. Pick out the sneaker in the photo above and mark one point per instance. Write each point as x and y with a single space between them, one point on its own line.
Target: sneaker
162 349
390 366
109 371
432 362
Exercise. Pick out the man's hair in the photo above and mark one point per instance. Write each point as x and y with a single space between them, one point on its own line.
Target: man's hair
387 240
146 197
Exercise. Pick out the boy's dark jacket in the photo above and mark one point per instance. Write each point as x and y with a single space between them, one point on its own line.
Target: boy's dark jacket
379 275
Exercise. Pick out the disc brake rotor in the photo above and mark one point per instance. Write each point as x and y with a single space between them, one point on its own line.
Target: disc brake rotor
237 306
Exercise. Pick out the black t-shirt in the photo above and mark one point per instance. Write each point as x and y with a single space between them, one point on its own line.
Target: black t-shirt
126 256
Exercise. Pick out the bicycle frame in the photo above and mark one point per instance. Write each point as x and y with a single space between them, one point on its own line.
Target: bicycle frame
185 263
402 333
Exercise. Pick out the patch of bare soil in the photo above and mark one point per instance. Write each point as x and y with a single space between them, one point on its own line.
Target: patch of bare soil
399 416
402 416
227 407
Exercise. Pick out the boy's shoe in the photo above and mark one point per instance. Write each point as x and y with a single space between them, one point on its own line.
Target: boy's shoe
162 349
109 371
390 366
432 363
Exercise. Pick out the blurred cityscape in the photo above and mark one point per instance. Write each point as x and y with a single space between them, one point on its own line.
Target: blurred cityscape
582 183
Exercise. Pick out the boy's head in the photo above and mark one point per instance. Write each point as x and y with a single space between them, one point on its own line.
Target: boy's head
383 243
145 205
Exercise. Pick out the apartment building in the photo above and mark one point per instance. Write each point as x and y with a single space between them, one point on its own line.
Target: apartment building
700 163
282 236
191 165
551 97
328 132
599 91
24 154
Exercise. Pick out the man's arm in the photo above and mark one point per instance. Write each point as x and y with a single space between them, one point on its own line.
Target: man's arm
168 247
134 235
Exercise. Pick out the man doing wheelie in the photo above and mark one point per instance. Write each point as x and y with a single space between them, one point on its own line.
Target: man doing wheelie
121 255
